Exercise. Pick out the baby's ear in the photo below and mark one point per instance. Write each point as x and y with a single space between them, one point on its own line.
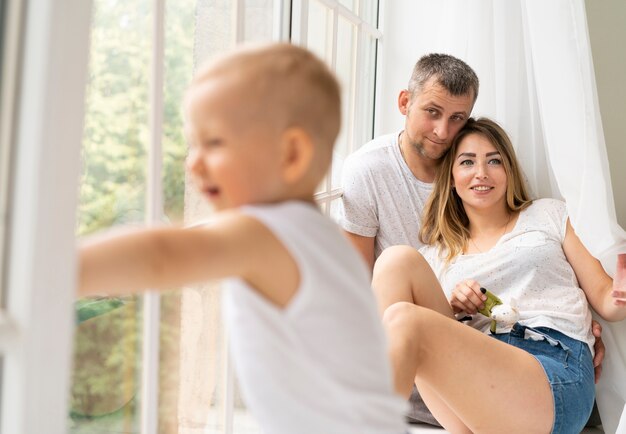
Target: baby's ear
297 152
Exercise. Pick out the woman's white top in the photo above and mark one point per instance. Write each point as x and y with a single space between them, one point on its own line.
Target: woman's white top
319 365
527 268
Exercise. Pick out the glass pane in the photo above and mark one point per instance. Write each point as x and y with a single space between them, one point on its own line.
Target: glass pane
350 4
369 12
178 71
106 377
365 93
345 69
5 109
320 28
8 84
214 28
202 363
258 20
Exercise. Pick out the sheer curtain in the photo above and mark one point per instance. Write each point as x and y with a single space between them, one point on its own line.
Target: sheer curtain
537 79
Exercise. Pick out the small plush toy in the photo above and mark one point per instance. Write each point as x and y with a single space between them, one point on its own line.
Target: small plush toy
503 316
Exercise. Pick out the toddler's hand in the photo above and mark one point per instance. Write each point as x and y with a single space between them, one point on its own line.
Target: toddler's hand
467 297
619 282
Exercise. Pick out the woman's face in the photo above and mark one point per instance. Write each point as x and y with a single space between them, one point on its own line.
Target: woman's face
478 173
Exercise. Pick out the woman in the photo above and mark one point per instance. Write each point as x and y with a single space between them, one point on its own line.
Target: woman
481 230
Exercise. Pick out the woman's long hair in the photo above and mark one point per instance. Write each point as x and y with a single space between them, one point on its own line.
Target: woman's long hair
445 223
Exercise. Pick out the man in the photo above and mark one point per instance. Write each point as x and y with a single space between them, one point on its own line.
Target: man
386 183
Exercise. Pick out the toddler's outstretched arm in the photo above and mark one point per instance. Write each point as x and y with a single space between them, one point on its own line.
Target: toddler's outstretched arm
231 245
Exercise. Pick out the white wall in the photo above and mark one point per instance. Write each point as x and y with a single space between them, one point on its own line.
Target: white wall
408 35
607 33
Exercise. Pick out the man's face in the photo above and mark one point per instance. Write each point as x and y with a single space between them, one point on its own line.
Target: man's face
433 118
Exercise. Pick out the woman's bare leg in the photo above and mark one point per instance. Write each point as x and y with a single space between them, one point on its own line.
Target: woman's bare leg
490 386
444 363
402 274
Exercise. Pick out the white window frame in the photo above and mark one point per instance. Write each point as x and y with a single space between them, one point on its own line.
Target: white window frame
355 135
36 327
45 138
283 11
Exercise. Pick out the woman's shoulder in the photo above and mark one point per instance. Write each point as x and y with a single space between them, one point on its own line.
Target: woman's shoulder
547 206
547 213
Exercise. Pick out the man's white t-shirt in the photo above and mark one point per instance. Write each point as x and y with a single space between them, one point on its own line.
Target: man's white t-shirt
320 365
381 196
528 269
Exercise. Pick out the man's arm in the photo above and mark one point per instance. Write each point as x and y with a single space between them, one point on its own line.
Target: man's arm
365 246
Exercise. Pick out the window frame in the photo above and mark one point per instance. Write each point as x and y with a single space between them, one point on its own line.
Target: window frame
49 52
299 35
52 42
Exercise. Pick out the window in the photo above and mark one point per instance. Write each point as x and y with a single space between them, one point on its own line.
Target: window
8 70
345 34
153 363
43 61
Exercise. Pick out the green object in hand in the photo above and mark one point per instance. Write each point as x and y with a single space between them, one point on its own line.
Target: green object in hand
492 300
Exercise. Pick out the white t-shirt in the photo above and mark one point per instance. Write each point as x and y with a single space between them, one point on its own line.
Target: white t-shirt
381 196
320 365
528 266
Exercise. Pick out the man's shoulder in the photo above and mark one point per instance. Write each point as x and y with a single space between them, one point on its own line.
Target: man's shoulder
384 141
378 151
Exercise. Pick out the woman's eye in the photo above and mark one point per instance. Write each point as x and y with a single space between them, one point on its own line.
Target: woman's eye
466 163
495 161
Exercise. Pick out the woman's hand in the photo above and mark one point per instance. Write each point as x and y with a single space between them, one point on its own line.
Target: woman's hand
467 297
619 282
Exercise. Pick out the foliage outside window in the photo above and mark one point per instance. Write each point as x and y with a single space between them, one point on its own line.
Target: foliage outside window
106 377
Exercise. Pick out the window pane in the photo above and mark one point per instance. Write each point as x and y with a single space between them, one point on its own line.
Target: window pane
346 58
8 69
320 28
369 12
365 93
203 354
105 390
258 20
180 23
350 4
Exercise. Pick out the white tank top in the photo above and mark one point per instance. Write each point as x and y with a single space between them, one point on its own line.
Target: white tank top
320 365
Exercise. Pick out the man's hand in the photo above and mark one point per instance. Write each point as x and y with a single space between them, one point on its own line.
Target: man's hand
599 348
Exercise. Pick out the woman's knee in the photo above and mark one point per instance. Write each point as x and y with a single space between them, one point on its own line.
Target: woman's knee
402 319
406 325
397 257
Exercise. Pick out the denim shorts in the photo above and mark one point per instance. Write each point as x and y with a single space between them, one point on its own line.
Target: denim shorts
568 365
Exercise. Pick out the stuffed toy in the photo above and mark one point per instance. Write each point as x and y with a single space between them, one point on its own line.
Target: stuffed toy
502 315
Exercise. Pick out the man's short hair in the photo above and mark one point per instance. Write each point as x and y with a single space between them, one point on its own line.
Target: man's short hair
456 76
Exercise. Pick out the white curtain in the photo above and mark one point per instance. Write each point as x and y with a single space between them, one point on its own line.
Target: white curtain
537 79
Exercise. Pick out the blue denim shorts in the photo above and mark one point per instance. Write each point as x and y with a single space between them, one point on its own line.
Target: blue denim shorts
568 365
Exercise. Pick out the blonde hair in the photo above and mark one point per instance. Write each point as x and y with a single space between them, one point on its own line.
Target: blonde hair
445 223
285 86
